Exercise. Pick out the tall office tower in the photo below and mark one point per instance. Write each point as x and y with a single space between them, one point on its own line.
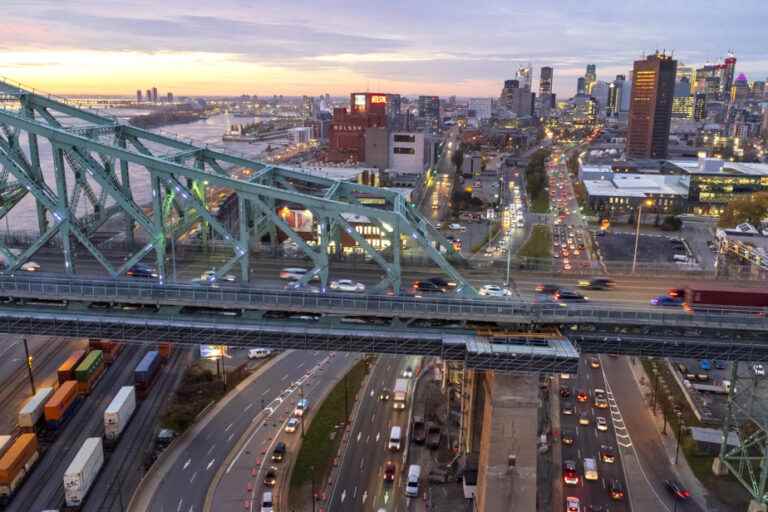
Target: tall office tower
154 94
600 92
149 95
757 89
581 86
429 106
590 77
138 95
545 81
740 89
699 106
395 120
650 112
726 72
524 77
516 99
169 97
684 72
615 90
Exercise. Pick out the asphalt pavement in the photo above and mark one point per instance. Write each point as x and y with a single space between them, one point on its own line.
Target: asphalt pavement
359 482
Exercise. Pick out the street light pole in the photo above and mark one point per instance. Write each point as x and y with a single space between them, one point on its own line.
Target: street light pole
29 367
637 237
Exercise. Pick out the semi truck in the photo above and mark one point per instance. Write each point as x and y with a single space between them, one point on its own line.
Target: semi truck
82 472
31 413
400 394
704 296
119 413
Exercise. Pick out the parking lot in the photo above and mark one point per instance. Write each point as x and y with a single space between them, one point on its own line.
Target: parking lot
650 249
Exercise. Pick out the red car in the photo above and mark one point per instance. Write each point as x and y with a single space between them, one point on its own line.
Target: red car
389 471
582 396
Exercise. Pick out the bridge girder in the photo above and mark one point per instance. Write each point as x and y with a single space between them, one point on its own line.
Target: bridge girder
88 152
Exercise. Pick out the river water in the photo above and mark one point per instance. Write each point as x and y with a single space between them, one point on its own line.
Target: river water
209 131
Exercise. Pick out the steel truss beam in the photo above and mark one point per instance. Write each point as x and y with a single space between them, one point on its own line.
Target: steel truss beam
91 159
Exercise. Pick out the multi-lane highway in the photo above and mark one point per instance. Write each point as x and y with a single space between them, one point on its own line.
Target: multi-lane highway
258 412
359 482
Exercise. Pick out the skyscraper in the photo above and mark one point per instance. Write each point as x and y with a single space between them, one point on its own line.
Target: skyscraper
138 95
650 113
524 77
727 69
581 86
154 94
516 99
545 81
149 95
615 90
590 77
429 106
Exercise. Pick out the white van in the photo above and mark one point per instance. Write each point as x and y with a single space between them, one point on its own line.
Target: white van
266 502
259 353
412 485
394 439
590 469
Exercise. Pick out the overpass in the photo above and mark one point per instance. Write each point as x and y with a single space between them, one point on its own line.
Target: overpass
140 310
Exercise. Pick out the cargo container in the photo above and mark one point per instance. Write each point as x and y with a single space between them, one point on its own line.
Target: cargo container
60 407
5 443
119 413
89 371
67 369
165 348
704 296
82 472
16 463
32 411
145 373
111 349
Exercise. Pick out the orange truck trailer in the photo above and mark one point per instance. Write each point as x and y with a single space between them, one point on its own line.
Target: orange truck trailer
62 405
67 369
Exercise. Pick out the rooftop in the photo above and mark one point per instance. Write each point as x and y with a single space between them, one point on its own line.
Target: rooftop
638 185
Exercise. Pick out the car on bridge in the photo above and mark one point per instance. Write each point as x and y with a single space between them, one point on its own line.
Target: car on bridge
142 271
295 274
548 289
597 283
210 276
347 285
492 290
30 266
569 296
292 425
666 300
427 286
677 490
270 478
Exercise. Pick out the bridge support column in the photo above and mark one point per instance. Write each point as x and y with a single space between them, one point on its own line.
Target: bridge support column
125 181
244 217
61 192
159 234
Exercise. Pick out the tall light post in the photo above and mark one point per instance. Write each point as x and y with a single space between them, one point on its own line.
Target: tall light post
679 433
648 203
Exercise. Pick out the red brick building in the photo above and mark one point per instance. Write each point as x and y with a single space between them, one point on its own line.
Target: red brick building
347 133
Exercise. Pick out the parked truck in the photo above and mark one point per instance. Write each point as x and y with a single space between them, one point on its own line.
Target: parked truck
119 413
400 394
704 296
433 436
419 432
31 413
16 463
82 472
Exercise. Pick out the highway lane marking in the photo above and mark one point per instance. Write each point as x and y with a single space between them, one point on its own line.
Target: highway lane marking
248 407
354 493
228 427
343 495
365 496
193 477
300 365
265 392
229 438
378 436
210 464
359 436
186 464
284 377
178 507
211 449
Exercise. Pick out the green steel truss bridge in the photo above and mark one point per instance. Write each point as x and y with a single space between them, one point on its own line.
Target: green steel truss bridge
98 161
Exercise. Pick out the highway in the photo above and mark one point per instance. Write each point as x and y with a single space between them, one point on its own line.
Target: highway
359 481
195 463
588 440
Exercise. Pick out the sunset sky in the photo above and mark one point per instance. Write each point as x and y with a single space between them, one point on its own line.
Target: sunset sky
300 47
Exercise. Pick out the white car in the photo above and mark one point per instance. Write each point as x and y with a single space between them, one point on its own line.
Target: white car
601 423
758 369
572 504
347 285
456 227
30 266
292 425
408 372
491 290
210 275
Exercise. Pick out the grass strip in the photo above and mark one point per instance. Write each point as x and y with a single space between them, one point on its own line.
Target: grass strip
539 244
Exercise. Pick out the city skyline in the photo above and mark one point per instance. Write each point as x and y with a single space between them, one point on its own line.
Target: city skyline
293 48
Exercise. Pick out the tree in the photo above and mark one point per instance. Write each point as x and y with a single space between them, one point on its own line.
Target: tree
751 208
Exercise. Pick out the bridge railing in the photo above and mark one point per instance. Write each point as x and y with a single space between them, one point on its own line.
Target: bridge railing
447 309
